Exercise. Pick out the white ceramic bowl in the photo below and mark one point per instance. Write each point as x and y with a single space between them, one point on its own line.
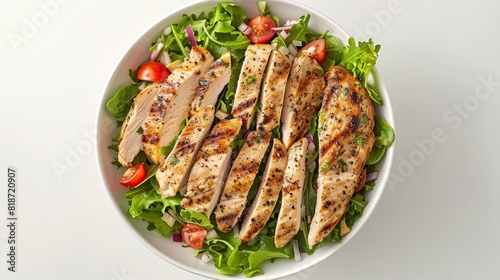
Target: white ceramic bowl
164 247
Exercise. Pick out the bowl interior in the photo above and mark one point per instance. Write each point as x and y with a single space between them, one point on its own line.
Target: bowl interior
163 247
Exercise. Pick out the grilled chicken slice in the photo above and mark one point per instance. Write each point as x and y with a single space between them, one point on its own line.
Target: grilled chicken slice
211 167
346 121
211 84
129 143
269 190
302 98
291 200
273 89
171 106
240 179
249 82
175 170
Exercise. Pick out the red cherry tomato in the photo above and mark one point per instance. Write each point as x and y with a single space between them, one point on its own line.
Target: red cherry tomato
153 71
361 182
134 176
193 235
261 30
316 50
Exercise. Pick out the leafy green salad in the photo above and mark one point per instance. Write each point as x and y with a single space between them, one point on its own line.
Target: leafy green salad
219 31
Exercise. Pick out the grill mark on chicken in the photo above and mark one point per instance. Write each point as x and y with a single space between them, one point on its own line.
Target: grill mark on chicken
172 104
272 92
174 171
269 189
130 141
212 83
209 172
249 82
240 179
289 218
341 159
302 98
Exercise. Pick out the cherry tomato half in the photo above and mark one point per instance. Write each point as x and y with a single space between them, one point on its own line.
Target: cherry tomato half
134 176
261 29
153 71
316 50
193 235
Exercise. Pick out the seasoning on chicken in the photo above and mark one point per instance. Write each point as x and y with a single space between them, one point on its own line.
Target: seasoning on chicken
288 223
171 106
211 167
240 179
345 126
273 89
129 143
269 190
249 82
212 83
174 171
302 98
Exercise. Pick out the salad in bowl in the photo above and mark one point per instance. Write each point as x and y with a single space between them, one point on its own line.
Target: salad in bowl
250 137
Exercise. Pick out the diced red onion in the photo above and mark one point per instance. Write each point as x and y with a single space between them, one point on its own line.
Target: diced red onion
296 251
190 35
281 28
167 218
274 45
165 58
311 148
206 257
283 34
177 237
290 22
172 213
292 49
372 176
156 52
142 86
221 114
297 43
310 138
211 235
167 30
283 50
245 29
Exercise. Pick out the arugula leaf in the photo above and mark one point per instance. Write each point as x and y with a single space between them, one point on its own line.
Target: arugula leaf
143 197
155 218
384 137
360 60
120 104
194 217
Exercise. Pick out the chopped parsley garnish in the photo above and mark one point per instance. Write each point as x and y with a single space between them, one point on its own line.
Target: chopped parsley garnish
325 167
343 165
364 119
250 80
174 160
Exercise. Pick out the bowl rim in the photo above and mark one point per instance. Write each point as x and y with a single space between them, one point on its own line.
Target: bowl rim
297 267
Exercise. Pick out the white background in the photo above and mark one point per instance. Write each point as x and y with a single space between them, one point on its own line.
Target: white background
438 217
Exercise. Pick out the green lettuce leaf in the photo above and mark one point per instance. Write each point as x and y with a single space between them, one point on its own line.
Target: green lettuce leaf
120 104
360 60
384 137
